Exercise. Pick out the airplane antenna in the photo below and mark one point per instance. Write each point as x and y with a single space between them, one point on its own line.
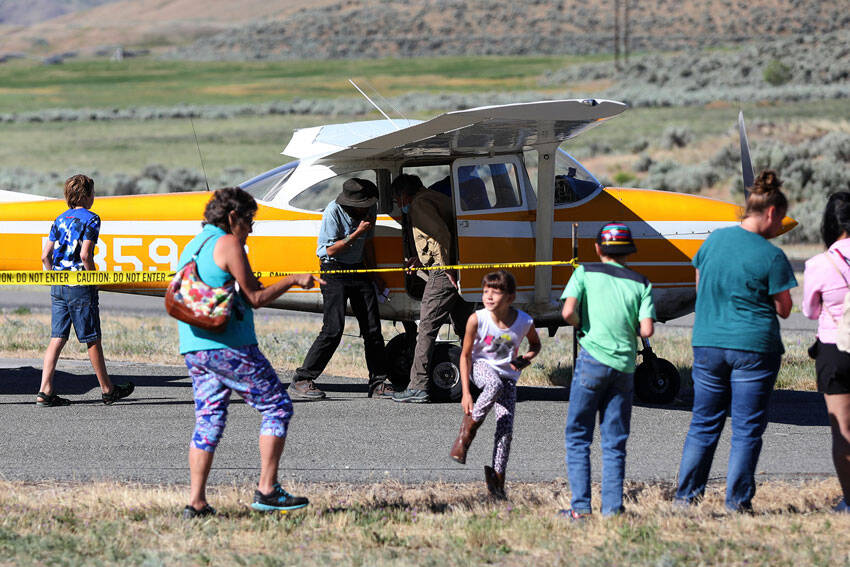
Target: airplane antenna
372 102
203 167
385 101
746 161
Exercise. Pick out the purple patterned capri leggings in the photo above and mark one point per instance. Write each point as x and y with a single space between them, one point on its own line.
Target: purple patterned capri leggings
501 393
216 373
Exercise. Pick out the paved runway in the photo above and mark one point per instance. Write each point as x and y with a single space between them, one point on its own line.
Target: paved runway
346 438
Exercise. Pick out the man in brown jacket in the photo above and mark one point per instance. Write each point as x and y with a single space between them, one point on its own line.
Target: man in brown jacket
431 225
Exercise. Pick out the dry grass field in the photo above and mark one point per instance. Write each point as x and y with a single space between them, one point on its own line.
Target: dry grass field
428 524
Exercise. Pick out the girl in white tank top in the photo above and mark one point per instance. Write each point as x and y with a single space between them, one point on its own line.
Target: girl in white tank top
490 360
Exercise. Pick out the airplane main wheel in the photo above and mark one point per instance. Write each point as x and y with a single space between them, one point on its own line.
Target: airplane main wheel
444 384
399 351
656 381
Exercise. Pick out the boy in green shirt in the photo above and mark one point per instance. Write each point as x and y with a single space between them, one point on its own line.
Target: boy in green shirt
611 305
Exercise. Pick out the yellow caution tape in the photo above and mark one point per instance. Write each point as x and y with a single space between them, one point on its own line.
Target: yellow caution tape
32 277
41 277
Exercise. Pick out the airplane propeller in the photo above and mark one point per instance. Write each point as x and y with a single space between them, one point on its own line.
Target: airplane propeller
746 161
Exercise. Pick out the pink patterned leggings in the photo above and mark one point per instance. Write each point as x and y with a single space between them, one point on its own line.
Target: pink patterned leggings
501 392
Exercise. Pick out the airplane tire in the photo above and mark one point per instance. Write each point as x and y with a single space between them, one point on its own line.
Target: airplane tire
399 351
444 383
656 388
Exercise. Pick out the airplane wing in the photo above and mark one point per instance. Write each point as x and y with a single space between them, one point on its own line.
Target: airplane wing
485 130
308 142
13 196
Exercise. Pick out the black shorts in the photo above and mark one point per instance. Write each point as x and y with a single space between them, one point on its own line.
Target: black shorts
833 369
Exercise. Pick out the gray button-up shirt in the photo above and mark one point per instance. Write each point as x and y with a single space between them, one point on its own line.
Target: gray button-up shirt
336 225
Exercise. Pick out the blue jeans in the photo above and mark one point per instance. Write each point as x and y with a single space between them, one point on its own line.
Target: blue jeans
727 380
598 388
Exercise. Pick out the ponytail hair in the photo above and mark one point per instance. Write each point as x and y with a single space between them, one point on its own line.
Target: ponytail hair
836 217
766 193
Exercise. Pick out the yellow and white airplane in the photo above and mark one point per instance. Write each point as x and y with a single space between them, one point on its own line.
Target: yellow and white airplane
517 197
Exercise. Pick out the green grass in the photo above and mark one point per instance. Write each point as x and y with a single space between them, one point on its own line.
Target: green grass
254 143
250 143
28 86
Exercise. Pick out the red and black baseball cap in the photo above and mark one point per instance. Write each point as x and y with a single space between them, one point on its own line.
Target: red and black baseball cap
615 239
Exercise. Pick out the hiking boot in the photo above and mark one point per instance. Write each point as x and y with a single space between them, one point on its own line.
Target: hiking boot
42 400
381 389
495 483
190 513
278 500
118 391
841 507
412 396
304 390
468 427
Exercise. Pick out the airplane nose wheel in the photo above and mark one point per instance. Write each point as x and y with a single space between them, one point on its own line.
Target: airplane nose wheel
444 384
657 381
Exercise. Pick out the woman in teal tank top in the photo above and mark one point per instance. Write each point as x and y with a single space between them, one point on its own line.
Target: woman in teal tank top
220 363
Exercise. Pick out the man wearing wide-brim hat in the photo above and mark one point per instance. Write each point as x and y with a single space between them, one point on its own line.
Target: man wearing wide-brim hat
345 243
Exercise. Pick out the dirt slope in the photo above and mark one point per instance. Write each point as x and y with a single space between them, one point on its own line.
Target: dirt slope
146 23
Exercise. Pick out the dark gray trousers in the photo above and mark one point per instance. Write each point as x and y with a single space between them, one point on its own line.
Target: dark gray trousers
440 300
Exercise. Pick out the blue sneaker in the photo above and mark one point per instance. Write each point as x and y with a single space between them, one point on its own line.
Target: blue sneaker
279 500
412 396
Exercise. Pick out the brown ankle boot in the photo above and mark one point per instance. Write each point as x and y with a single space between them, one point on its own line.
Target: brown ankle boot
468 427
495 483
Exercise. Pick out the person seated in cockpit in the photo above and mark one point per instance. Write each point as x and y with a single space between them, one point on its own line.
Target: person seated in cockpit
473 192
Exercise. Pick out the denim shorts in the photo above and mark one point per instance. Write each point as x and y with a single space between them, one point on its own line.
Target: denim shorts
75 304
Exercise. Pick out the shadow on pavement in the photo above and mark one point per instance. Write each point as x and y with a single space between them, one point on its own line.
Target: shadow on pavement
790 407
542 394
27 379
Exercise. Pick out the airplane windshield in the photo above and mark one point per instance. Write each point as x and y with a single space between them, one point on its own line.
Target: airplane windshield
573 182
317 197
266 185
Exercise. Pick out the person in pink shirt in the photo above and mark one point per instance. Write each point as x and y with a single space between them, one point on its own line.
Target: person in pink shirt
825 285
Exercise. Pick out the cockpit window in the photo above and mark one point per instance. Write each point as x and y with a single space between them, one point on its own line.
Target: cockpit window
573 182
265 186
317 197
488 186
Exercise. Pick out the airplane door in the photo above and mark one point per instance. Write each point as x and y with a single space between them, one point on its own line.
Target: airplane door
494 220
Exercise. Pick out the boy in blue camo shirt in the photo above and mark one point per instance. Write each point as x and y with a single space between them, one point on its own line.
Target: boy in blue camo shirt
70 246
611 305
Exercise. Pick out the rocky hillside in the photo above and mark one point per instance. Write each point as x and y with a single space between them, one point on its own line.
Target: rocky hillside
286 29
406 28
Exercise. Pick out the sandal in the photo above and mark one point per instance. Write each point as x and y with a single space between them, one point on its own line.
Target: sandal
51 401
119 391
190 513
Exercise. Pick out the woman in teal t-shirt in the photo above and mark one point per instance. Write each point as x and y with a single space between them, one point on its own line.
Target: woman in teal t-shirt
743 283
